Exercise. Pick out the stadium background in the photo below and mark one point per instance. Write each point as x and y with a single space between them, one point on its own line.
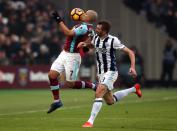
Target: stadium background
35 40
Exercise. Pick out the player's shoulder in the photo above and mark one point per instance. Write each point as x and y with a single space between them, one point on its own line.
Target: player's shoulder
113 37
84 26
88 24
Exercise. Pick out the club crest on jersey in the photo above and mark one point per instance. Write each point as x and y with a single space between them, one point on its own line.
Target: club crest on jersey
101 50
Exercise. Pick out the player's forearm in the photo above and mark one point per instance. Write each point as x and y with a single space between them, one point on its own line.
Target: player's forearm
65 29
131 55
132 58
88 44
85 44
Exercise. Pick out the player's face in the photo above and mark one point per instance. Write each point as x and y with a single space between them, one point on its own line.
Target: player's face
99 30
85 17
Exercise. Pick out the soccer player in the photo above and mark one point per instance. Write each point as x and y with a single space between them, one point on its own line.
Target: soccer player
69 59
105 46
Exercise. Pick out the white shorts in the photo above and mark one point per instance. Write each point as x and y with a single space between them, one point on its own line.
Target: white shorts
68 62
108 79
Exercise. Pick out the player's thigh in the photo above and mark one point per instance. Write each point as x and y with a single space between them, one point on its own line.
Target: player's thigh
108 97
72 69
108 79
58 65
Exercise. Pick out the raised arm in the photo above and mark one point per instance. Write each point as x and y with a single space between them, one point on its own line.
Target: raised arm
66 30
63 27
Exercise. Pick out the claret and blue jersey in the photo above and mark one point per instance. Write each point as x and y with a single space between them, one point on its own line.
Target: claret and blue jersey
82 32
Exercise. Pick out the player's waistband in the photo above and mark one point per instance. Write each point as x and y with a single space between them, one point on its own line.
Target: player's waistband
73 53
70 52
109 70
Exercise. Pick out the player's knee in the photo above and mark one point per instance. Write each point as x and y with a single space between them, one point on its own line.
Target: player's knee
101 90
52 75
110 103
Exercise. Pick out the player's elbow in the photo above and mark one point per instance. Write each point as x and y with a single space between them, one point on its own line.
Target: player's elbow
131 53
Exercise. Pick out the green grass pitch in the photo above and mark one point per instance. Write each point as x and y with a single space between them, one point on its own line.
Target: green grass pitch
25 110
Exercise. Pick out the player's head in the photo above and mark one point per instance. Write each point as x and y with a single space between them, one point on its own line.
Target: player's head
103 28
90 16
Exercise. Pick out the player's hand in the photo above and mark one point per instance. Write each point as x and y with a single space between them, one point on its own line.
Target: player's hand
81 45
132 72
56 16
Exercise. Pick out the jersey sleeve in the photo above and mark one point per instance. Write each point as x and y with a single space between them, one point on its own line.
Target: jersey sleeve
80 30
117 44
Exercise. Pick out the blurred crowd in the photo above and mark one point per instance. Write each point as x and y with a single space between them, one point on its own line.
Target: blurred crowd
168 63
27 34
163 13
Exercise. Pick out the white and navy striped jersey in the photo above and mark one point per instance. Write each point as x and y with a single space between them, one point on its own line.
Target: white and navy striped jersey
105 52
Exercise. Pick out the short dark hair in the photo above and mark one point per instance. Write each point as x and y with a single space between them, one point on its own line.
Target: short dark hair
106 26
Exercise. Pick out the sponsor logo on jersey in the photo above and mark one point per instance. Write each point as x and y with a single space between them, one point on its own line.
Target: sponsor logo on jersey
101 50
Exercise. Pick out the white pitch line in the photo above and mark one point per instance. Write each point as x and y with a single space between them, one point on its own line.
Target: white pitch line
83 106
35 111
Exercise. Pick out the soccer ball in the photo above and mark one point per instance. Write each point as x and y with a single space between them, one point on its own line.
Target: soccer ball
76 14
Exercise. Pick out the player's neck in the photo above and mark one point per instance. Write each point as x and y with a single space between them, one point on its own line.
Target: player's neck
103 36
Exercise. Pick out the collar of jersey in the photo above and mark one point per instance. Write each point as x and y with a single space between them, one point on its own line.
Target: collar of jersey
86 23
105 38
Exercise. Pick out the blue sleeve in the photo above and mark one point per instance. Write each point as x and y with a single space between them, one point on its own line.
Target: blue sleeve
81 30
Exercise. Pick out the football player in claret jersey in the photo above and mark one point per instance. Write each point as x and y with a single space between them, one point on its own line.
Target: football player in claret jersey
105 46
69 59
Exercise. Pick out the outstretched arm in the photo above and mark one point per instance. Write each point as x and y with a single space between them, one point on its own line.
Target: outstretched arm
131 55
63 27
85 44
66 30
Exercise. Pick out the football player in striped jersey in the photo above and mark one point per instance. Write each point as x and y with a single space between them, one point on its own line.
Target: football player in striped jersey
105 46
